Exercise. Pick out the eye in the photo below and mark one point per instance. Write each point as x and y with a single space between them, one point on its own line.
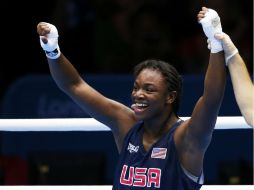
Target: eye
135 88
149 89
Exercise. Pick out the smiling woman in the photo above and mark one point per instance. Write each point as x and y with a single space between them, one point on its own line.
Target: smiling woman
151 77
166 151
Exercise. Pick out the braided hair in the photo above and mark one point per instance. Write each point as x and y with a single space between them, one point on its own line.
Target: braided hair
169 72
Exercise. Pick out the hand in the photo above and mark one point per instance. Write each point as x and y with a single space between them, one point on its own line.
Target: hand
210 21
229 48
49 39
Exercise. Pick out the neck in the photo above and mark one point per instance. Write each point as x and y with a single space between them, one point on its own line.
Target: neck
157 127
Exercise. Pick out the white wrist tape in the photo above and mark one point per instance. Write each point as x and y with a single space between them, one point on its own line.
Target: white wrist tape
230 56
211 25
51 48
216 46
53 54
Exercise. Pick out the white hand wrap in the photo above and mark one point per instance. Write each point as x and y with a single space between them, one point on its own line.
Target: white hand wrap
51 48
211 25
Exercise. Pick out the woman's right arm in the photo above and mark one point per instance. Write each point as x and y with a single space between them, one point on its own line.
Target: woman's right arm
115 115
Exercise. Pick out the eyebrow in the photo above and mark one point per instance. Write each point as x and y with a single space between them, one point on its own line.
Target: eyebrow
147 83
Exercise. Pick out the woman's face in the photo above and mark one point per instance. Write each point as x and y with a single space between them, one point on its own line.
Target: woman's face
149 94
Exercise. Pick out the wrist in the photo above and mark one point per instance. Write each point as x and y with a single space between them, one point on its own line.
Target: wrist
216 46
230 56
53 54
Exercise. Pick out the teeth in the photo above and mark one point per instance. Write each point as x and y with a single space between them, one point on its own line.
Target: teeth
141 105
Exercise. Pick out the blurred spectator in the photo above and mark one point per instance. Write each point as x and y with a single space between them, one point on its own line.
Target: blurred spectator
114 35
75 20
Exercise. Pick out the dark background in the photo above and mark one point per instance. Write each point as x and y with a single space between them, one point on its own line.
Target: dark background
111 36
104 39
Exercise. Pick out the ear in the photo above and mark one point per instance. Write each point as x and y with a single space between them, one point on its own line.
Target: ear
171 97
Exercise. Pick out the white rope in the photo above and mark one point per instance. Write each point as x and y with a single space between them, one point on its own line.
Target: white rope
70 124
90 124
204 187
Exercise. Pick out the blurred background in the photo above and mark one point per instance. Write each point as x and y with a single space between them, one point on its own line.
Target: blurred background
105 39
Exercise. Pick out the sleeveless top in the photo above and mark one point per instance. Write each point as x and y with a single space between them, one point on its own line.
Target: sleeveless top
157 168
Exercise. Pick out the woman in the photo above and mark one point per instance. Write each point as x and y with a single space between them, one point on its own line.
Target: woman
157 149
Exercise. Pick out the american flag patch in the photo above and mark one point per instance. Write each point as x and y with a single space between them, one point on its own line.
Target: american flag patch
159 153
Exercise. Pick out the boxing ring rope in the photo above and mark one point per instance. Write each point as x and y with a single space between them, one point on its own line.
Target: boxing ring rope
89 124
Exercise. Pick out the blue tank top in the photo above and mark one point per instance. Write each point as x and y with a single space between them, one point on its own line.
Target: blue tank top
157 168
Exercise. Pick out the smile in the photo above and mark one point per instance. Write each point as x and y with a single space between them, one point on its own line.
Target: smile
139 107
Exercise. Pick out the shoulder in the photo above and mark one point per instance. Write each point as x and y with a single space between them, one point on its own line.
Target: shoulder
122 138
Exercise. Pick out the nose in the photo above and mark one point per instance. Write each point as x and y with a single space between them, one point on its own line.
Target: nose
138 93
